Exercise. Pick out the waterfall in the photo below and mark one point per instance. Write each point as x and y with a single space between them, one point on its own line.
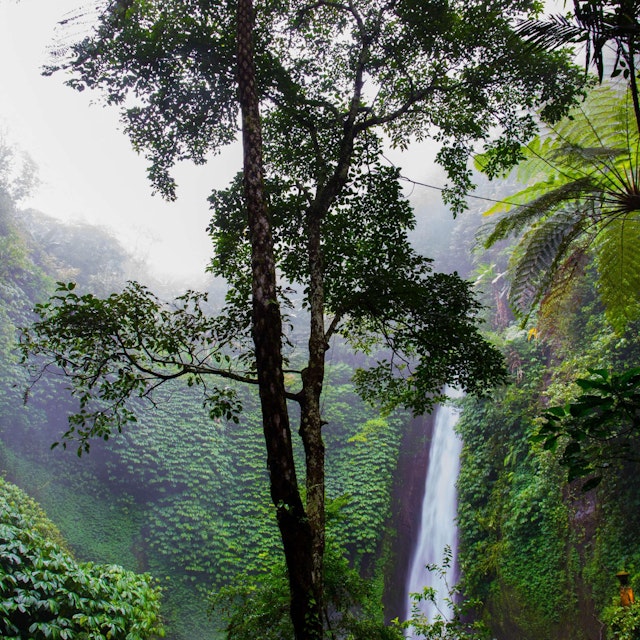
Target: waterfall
437 526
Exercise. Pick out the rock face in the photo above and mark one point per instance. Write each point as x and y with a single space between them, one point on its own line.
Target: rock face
408 493
510 615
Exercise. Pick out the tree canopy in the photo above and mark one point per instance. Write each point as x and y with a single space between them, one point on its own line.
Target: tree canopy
327 73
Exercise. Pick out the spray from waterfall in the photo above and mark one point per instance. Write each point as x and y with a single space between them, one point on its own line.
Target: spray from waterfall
438 528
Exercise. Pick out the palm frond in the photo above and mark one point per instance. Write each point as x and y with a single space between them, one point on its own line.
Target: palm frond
597 26
554 32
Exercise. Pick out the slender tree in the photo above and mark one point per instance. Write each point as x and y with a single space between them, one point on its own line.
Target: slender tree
331 78
303 551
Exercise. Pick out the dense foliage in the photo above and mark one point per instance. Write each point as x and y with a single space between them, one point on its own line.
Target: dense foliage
45 593
181 72
192 500
257 605
541 553
600 428
537 552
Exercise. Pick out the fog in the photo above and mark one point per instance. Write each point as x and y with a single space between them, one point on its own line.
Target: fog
88 170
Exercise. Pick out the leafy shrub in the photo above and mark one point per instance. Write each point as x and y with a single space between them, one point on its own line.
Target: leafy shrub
45 593
454 621
623 623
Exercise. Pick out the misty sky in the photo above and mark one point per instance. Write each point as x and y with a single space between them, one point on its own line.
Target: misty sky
88 170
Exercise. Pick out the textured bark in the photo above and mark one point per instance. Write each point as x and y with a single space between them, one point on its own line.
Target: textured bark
311 417
295 529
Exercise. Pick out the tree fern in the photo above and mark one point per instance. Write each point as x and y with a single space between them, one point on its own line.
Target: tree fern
564 294
583 189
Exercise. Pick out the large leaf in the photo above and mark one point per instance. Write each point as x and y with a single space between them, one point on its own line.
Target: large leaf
542 248
619 268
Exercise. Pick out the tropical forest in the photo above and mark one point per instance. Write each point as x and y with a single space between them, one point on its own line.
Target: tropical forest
379 414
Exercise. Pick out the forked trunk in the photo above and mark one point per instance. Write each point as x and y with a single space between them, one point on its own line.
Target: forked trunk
295 529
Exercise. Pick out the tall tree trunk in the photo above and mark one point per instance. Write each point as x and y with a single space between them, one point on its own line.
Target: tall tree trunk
311 421
295 529
311 417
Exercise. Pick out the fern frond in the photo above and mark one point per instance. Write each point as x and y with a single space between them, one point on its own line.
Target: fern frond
537 164
543 249
559 301
618 264
570 154
516 200
604 120
538 208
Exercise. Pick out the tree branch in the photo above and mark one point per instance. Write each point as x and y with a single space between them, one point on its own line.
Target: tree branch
414 98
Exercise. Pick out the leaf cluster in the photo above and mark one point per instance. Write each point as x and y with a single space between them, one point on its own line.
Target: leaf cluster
599 428
44 593
125 346
170 67
623 623
428 325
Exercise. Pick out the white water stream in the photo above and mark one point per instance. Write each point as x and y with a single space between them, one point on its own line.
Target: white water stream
438 527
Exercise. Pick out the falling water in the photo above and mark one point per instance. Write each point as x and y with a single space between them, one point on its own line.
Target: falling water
437 527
